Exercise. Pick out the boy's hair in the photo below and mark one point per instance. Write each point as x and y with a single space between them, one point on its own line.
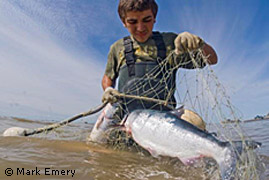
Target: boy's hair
136 5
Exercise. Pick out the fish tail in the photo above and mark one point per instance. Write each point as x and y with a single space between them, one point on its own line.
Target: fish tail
231 155
227 163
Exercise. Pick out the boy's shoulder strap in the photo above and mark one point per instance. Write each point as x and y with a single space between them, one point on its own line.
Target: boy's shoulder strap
158 38
129 55
129 50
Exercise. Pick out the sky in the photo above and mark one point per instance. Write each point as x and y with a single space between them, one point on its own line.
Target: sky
53 53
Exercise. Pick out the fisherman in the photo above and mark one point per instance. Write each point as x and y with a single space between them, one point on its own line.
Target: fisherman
132 57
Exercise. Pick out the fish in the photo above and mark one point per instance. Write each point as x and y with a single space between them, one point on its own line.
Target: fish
105 121
165 134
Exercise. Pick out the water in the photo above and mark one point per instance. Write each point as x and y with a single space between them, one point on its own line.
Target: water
55 154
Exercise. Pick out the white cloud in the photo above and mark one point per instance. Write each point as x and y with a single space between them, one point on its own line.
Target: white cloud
37 71
243 64
43 64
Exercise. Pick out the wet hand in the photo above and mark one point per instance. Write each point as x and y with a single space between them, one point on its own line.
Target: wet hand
187 42
110 95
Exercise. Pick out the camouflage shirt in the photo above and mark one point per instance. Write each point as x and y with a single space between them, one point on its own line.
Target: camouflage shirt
146 51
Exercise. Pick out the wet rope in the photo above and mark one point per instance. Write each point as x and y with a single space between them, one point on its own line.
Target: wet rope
90 112
64 122
157 101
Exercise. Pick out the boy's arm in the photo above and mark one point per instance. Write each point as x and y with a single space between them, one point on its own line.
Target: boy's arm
109 92
186 42
209 52
107 82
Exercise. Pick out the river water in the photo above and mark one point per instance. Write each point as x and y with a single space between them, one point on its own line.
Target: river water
65 154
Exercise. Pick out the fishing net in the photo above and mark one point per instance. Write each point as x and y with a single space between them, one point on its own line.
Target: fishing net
197 89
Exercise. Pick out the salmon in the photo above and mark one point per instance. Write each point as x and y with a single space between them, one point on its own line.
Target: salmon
104 122
165 134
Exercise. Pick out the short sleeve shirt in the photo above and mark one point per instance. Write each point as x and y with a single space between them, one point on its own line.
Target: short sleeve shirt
146 51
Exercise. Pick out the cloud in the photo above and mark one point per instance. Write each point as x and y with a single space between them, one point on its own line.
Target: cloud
38 70
233 30
52 53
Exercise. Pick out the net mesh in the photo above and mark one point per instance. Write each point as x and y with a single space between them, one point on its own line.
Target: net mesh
199 90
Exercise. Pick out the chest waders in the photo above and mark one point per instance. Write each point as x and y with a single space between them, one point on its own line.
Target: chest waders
147 78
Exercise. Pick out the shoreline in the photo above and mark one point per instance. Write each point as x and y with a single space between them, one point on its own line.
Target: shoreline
244 121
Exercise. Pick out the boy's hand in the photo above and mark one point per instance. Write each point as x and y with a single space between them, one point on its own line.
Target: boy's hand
186 41
109 95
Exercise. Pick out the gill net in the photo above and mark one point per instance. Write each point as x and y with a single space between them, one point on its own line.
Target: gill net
199 90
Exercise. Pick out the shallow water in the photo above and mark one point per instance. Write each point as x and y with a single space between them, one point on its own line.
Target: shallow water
54 155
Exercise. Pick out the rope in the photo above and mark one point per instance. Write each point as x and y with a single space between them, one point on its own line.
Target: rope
91 111
64 122
157 101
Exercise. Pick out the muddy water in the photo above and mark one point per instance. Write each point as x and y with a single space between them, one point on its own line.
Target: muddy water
64 154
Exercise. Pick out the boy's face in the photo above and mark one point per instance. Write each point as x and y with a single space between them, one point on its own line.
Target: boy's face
140 24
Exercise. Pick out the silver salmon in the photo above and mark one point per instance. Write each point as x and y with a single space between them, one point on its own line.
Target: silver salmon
163 133
104 122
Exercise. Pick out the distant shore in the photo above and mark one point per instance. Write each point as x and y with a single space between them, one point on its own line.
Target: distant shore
260 119
243 121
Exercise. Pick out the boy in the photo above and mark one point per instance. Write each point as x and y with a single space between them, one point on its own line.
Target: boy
132 57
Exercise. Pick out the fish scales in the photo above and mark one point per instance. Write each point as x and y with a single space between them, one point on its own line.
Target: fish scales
104 122
163 133
160 129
